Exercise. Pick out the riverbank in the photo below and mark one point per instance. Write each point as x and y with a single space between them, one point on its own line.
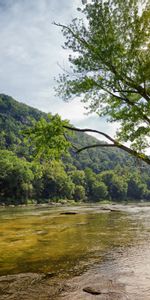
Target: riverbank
72 203
127 277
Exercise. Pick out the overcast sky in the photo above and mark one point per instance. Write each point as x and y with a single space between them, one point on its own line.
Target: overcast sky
30 52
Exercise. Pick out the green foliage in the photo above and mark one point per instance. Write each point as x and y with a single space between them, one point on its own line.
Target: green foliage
79 193
21 180
93 175
14 118
48 137
90 178
100 191
77 177
136 188
56 182
117 184
111 65
16 177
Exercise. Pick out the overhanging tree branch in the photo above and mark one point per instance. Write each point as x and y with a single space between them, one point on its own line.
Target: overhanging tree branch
129 102
95 146
115 143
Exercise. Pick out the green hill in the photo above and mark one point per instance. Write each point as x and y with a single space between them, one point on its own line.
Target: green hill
95 174
15 117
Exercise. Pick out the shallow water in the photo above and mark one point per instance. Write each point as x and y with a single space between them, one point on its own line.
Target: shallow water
44 240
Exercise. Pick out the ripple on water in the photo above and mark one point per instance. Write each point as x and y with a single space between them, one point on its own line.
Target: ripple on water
39 241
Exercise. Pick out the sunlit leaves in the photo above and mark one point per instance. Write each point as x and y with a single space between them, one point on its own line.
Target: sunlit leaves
110 65
48 137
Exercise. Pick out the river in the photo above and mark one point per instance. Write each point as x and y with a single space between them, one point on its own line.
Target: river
103 250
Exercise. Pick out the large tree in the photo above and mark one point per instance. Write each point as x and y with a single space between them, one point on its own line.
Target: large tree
110 68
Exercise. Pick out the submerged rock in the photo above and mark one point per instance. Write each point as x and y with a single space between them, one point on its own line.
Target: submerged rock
69 213
49 275
102 291
92 291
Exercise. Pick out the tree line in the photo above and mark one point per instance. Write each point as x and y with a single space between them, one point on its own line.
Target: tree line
23 182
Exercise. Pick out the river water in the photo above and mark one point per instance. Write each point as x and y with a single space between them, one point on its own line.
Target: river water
113 241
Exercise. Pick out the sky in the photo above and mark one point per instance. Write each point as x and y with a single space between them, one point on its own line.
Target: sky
31 54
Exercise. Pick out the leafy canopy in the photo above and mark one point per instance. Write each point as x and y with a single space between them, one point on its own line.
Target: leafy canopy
48 137
110 66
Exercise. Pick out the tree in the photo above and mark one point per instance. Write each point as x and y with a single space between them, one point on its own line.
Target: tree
56 182
48 137
136 188
79 193
77 177
110 69
90 178
99 190
116 184
16 178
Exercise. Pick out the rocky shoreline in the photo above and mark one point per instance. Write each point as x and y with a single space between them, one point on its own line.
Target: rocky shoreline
32 286
125 276
29 286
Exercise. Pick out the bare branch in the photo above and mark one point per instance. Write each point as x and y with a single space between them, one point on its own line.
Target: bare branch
126 91
83 41
95 146
73 146
134 153
124 99
90 130
130 82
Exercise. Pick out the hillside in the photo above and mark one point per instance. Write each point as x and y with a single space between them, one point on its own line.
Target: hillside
93 175
15 116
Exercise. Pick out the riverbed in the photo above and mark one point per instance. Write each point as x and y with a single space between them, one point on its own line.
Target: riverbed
87 252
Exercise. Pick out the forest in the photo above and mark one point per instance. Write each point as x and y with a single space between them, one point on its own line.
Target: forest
93 175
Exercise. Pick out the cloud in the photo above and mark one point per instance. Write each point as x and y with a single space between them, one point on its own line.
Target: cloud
31 48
